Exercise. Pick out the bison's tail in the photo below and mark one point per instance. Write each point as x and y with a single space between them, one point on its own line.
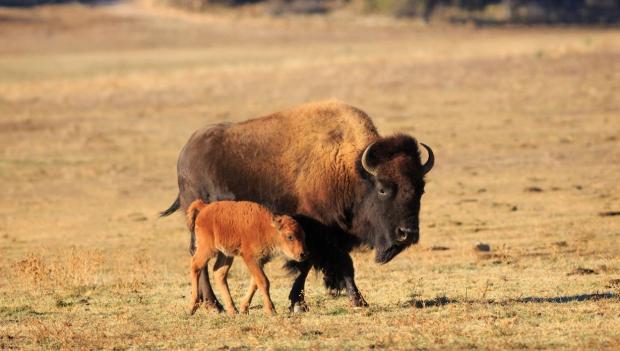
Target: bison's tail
172 209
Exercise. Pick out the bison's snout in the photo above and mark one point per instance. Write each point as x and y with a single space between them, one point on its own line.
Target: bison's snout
303 256
407 234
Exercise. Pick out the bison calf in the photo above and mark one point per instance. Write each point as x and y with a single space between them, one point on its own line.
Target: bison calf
247 229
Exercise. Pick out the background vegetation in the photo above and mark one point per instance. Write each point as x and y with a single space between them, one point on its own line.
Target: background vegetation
482 11
489 11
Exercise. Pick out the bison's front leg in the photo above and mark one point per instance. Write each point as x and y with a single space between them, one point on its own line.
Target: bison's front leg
296 296
347 273
357 300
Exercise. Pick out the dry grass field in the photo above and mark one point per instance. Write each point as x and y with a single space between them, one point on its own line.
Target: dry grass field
96 102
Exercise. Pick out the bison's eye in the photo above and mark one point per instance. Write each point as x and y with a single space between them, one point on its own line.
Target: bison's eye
290 238
383 191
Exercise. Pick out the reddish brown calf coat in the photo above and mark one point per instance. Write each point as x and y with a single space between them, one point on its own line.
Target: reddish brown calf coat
226 229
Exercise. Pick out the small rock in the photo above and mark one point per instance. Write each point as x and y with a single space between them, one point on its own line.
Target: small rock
533 189
137 217
482 247
582 271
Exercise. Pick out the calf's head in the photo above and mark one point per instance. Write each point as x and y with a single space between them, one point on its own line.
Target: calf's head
388 215
290 238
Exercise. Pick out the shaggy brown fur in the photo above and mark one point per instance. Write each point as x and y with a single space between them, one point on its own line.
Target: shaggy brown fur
227 229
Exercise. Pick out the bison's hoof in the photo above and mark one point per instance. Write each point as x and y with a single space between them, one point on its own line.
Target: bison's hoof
214 306
359 302
299 307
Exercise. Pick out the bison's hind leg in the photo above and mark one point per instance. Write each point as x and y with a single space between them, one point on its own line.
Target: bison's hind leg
199 268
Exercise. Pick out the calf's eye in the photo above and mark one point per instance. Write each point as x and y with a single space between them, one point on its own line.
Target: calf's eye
290 238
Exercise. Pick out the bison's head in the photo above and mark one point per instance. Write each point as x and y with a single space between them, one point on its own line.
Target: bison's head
393 174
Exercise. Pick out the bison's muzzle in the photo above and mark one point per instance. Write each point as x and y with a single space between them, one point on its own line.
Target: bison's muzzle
385 256
404 236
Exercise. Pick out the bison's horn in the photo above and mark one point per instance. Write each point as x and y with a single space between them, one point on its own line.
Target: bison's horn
367 168
431 159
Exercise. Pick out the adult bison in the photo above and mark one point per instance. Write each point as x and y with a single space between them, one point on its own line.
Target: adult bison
323 163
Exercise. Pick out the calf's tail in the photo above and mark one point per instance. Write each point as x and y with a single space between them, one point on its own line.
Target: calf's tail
192 212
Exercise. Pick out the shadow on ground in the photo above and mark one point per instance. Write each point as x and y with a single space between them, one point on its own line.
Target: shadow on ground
443 300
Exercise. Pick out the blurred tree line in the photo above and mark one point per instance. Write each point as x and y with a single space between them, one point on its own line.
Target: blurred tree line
509 11
29 3
550 11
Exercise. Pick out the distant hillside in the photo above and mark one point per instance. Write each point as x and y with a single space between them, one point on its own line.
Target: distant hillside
29 3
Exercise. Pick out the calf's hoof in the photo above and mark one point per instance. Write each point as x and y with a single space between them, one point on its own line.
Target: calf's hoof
299 307
192 308
232 312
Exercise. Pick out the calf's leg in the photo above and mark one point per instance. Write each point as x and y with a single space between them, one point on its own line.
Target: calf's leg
247 299
220 271
261 281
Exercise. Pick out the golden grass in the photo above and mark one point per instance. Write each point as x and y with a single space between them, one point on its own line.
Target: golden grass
95 104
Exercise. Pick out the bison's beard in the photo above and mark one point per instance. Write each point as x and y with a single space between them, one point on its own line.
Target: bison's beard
384 256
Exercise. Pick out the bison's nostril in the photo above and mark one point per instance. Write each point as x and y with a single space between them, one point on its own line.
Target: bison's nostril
402 233
303 255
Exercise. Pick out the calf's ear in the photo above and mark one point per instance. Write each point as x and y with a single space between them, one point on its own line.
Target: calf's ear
277 222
